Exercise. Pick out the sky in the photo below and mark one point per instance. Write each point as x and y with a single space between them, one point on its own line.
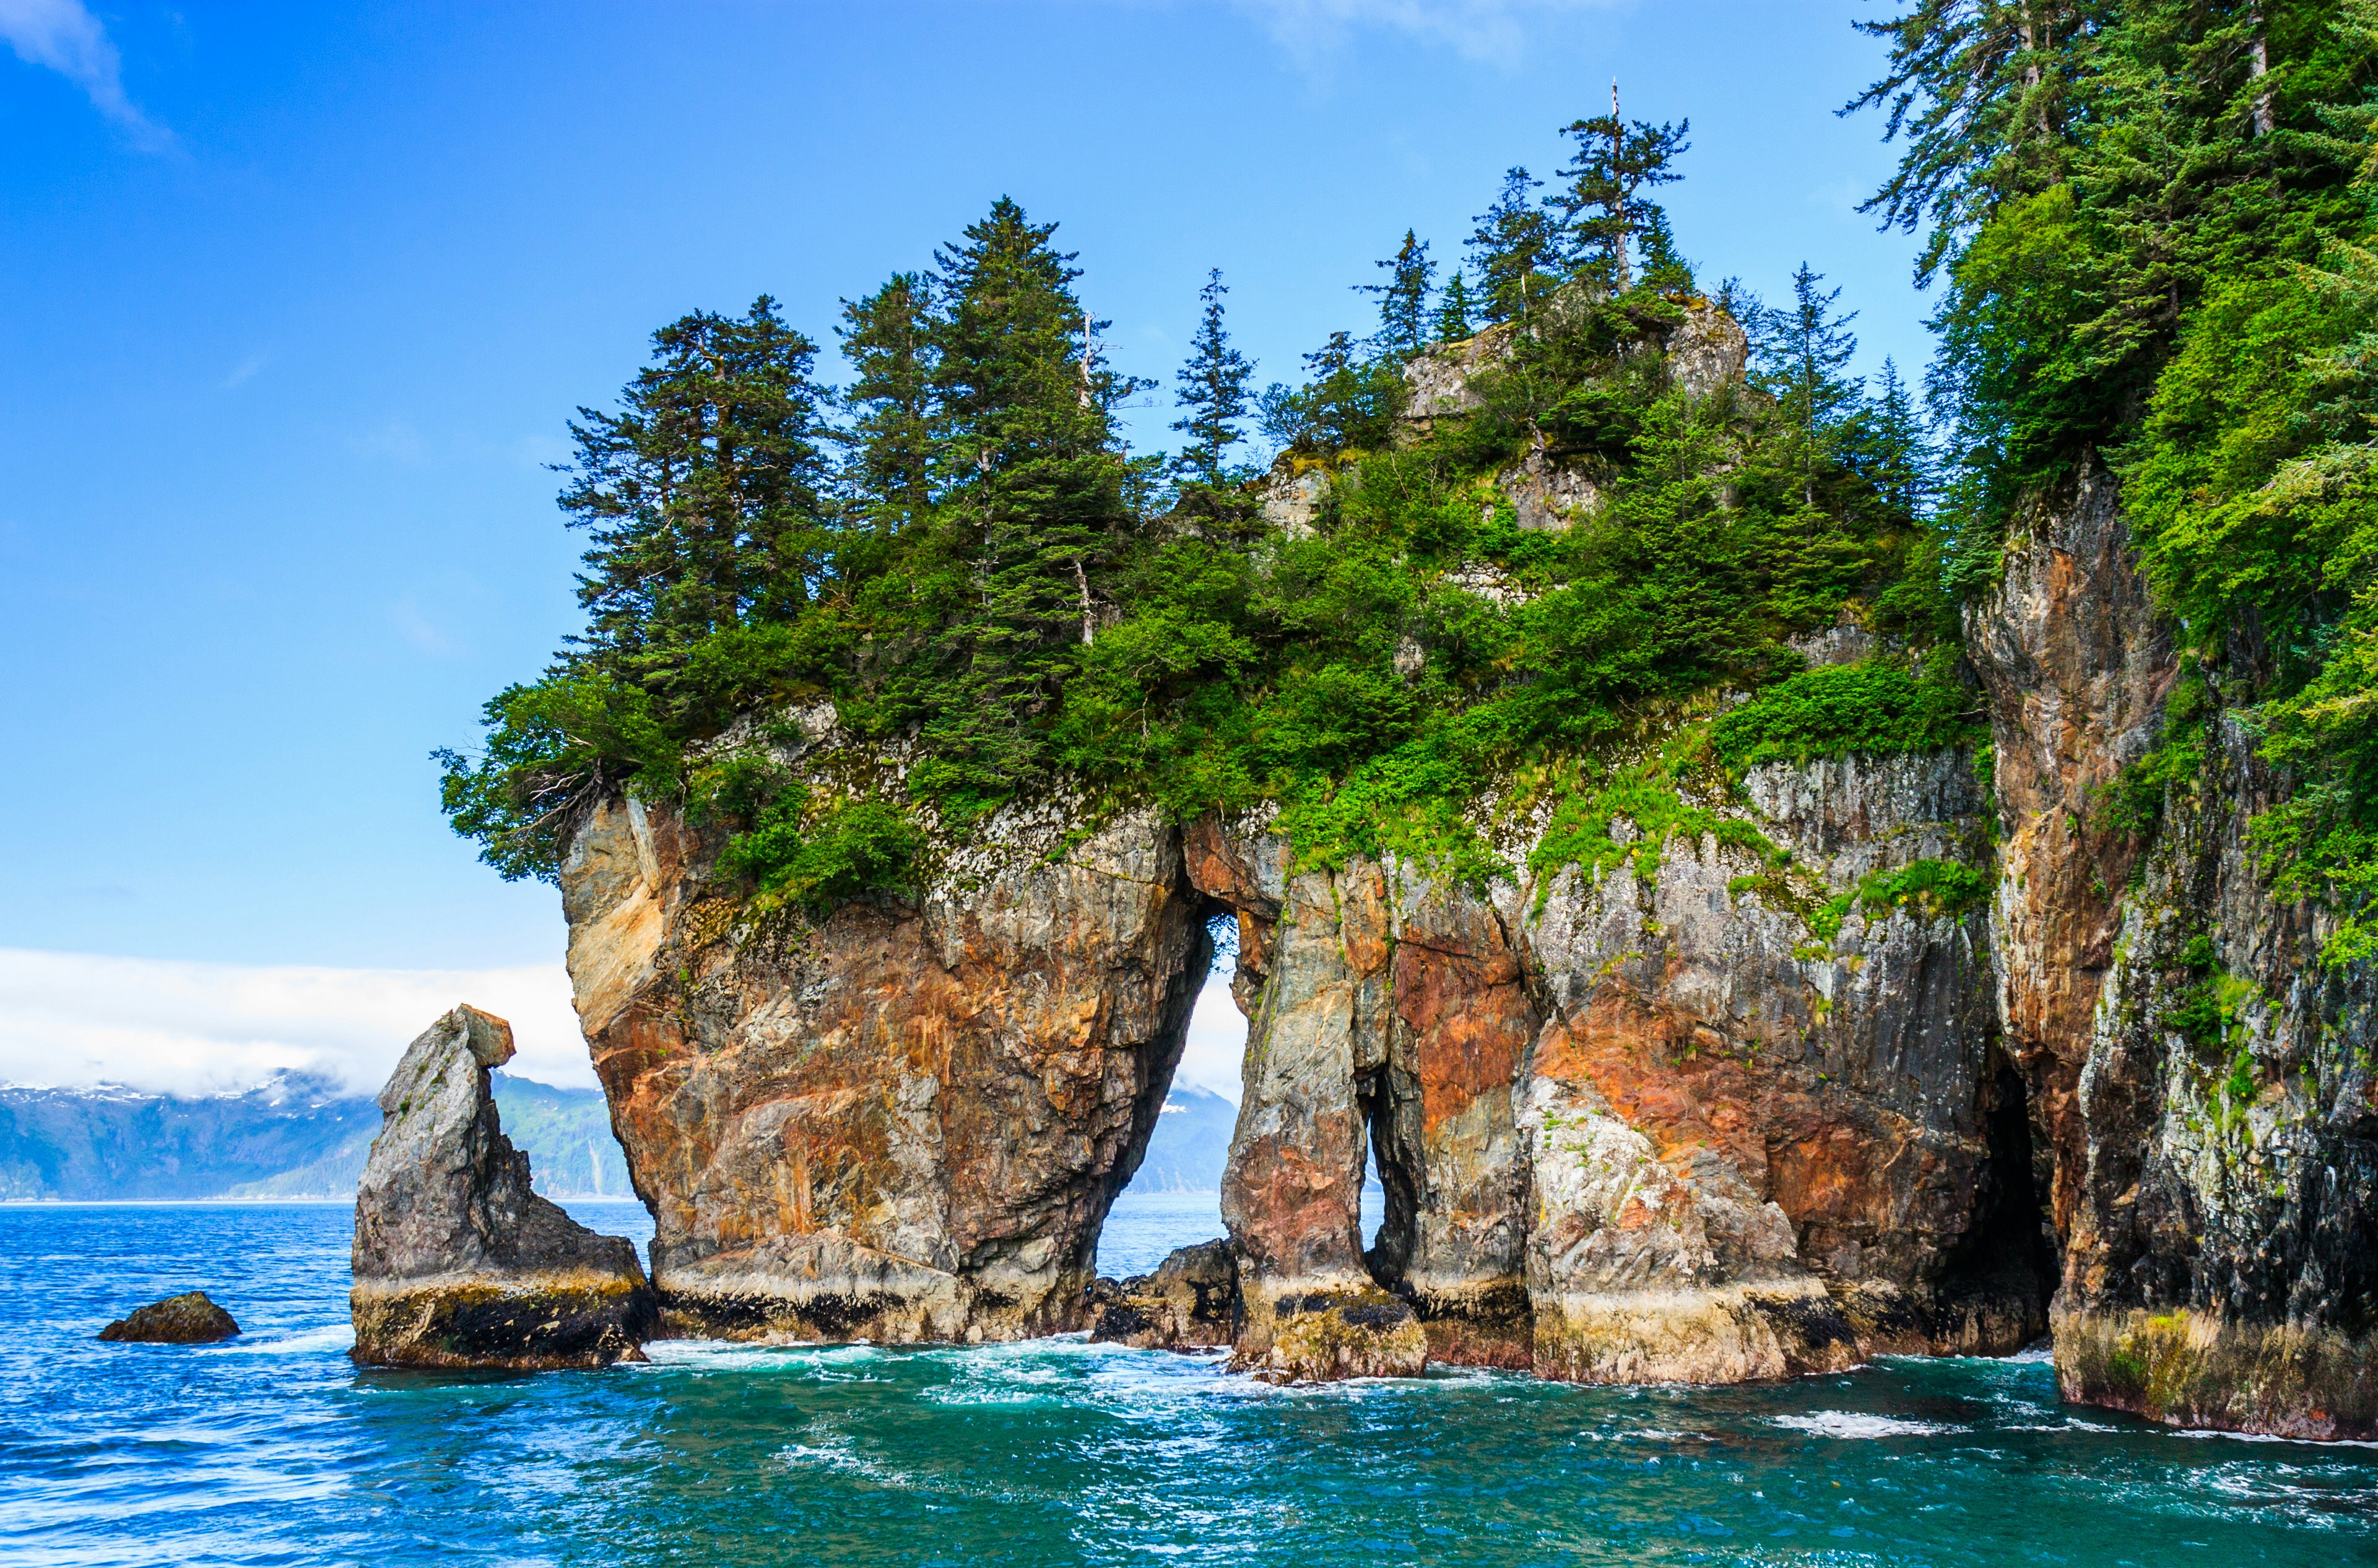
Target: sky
296 301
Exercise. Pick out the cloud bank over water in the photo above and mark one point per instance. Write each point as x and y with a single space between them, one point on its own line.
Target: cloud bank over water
70 1019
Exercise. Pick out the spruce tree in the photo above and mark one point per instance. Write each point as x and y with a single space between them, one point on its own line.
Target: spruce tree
1804 348
1453 310
1602 210
1662 267
704 494
1897 455
1982 91
1515 250
1212 393
888 339
1024 444
1404 299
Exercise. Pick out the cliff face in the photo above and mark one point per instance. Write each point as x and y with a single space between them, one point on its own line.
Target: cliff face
1757 1151
2203 1083
904 1123
1637 1124
1753 1101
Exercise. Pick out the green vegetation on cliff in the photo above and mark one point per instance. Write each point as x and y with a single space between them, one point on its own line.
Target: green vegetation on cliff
2153 219
958 552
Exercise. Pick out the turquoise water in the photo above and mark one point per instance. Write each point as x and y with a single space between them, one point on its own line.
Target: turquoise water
273 1449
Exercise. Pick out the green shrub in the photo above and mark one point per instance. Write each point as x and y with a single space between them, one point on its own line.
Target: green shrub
1878 705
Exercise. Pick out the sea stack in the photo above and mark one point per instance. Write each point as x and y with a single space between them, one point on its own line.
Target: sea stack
457 1263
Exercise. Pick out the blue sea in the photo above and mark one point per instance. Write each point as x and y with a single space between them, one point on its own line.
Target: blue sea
274 1449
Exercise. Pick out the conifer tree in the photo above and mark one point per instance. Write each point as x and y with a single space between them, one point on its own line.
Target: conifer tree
1898 457
888 339
1602 208
1662 267
1023 441
1212 393
1404 299
1981 90
1453 310
704 493
1516 248
1804 347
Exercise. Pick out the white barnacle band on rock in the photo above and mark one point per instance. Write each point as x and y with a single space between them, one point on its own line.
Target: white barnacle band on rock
457 1261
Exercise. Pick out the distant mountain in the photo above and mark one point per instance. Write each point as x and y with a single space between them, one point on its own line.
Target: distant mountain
1191 1141
294 1137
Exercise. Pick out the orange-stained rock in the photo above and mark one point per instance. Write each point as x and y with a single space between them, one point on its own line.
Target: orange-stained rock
905 1122
1753 1153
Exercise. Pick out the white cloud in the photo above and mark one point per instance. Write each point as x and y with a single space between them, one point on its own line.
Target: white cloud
1218 1040
1482 29
72 1019
63 36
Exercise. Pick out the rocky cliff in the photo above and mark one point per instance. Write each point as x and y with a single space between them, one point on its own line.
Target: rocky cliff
905 1122
1639 1121
2204 1098
1762 1075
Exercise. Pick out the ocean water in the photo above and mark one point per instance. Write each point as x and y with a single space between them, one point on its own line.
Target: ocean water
275 1449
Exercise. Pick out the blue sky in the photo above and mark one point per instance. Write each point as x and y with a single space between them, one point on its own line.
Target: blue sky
295 301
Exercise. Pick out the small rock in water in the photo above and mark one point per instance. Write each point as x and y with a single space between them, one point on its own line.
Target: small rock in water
188 1319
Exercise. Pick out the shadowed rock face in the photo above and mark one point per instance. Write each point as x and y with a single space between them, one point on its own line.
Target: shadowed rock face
191 1318
457 1263
905 1123
2203 1083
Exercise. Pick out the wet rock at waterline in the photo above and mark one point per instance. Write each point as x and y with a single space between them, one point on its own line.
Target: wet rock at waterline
190 1318
457 1263
1191 1302
1351 1331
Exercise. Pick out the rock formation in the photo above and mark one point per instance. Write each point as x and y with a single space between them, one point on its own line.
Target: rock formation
457 1263
191 1318
1744 1099
2205 1103
903 1124
1190 1302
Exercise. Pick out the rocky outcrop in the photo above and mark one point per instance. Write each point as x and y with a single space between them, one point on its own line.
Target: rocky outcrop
1756 1147
1548 495
457 1263
1293 494
1642 1122
902 1122
191 1318
1639 1125
2205 1091
1191 1302
1767 1096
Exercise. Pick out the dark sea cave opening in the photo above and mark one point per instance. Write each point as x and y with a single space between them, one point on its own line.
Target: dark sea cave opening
2005 1269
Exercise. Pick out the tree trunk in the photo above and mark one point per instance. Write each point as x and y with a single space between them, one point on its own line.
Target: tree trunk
2266 121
